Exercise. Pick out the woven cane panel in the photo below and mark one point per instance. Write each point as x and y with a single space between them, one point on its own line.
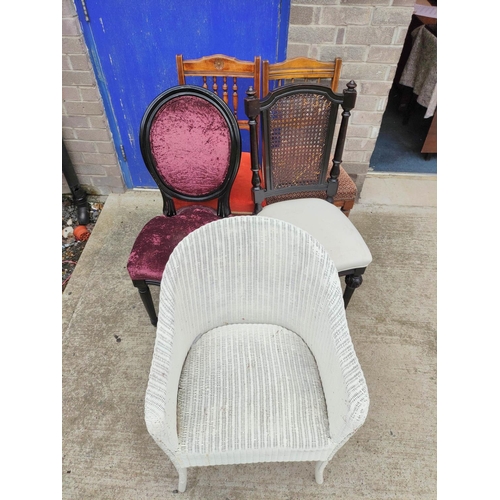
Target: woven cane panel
298 130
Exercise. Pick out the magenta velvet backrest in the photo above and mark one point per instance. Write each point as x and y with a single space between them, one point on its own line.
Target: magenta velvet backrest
190 143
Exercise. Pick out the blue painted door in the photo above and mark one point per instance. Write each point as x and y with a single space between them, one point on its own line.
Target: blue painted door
133 47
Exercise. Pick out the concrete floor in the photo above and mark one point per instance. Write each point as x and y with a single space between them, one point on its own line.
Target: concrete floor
108 342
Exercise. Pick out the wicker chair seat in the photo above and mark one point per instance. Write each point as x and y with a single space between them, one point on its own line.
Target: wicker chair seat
247 389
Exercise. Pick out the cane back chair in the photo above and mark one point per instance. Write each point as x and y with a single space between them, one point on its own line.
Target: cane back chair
306 70
253 361
175 131
298 127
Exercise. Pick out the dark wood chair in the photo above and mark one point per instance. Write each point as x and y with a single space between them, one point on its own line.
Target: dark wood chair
306 70
174 133
297 131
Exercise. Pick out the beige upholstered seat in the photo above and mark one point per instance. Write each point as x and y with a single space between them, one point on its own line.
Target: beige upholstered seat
328 225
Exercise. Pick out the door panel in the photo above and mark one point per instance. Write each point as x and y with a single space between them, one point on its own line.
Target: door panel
133 47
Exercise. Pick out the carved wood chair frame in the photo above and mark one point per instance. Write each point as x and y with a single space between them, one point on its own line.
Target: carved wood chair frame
167 192
222 192
255 108
260 108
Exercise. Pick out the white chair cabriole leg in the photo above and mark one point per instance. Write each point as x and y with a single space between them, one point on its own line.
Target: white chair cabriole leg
320 467
182 479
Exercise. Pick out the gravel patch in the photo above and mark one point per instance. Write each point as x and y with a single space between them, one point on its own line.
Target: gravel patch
72 247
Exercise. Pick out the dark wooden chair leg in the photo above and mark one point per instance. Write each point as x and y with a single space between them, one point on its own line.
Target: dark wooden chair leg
352 282
346 209
147 300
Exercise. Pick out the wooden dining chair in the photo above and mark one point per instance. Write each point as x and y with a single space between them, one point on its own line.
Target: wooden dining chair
306 70
229 78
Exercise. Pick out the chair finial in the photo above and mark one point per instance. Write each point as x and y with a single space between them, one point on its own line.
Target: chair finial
251 92
349 96
351 85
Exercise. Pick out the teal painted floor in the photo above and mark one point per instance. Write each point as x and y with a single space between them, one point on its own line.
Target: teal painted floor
398 146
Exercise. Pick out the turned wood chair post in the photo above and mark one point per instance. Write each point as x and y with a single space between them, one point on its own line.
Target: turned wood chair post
147 299
352 281
180 69
336 75
252 110
347 105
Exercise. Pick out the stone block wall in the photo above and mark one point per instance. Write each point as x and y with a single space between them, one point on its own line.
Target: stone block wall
85 128
368 35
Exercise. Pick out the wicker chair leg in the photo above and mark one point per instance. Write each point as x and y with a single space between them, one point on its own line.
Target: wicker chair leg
318 472
182 479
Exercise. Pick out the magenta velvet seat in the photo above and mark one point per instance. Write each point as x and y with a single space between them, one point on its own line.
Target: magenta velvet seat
191 146
159 237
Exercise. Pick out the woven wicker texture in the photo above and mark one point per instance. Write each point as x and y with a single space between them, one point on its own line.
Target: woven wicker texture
251 387
298 129
252 272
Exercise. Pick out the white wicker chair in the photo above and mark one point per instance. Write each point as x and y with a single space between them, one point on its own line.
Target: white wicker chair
253 361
